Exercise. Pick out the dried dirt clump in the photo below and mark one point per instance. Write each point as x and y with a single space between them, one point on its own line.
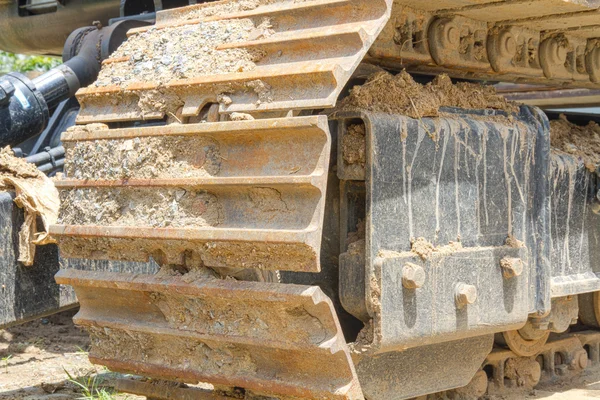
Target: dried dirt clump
213 254
354 145
159 101
425 249
580 141
183 52
267 199
140 207
512 241
421 247
358 234
143 158
261 255
288 322
36 195
169 352
523 371
17 167
400 94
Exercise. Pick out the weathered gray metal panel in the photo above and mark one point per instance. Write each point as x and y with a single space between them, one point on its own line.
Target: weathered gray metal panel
422 370
31 292
575 237
471 177
26 291
416 317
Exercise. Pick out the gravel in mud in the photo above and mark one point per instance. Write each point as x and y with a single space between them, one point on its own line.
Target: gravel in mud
231 7
152 207
400 94
184 52
580 141
143 158
226 8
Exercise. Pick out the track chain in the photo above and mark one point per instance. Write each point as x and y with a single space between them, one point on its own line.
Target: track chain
450 41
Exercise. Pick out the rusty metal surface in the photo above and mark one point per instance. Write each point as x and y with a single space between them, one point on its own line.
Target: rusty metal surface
542 41
559 359
162 391
421 370
315 47
265 337
278 232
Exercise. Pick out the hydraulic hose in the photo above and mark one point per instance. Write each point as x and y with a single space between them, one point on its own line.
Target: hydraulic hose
25 104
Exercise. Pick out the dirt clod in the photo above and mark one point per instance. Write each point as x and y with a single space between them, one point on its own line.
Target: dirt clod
354 145
358 234
512 241
580 141
36 195
400 94
524 371
425 249
421 247
236 116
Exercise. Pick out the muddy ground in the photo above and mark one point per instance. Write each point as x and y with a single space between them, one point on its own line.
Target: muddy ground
37 358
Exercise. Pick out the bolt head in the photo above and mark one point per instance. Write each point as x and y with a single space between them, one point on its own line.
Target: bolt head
413 276
560 53
465 294
509 44
453 35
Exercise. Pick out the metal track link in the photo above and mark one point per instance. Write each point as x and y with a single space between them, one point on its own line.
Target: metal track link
265 337
559 359
305 61
544 41
226 197
236 197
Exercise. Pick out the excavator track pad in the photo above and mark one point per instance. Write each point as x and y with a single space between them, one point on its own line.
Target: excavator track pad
268 338
224 188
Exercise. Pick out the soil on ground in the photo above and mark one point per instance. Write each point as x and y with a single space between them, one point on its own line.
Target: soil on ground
37 358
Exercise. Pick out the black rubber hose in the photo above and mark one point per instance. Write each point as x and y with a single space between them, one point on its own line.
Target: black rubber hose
47 156
46 168
86 64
